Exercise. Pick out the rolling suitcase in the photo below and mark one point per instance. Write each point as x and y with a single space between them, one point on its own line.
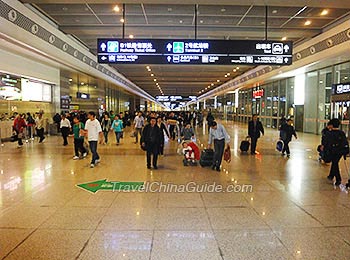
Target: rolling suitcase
207 157
244 147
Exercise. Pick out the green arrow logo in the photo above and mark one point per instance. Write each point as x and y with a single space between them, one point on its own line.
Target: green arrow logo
95 186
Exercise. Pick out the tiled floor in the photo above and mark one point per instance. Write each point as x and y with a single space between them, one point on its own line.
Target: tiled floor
290 211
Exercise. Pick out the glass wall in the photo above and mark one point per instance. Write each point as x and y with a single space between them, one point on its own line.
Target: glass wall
311 102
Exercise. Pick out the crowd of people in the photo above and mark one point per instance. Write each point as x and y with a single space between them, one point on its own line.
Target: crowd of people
150 130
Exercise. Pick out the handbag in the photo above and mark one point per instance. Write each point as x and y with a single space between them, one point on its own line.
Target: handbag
227 154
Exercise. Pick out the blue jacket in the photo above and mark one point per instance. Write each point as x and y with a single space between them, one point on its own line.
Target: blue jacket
117 125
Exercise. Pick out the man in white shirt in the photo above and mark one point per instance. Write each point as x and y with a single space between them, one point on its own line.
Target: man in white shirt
93 131
65 128
139 123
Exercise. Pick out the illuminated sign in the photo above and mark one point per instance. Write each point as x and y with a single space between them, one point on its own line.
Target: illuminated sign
258 93
340 88
83 95
200 52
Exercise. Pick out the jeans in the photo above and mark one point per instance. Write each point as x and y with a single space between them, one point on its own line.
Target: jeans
138 131
219 146
105 134
334 172
65 133
79 146
172 131
93 148
118 135
286 147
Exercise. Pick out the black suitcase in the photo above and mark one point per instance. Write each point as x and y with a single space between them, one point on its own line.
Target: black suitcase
244 146
207 157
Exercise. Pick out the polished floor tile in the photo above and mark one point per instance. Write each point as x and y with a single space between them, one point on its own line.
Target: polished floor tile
52 244
314 243
130 245
180 245
11 238
242 244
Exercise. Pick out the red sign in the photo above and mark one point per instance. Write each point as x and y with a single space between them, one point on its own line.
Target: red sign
258 93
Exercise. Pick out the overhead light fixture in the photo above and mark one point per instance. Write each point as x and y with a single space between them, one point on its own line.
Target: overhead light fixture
181 21
274 11
225 75
237 68
201 21
208 86
284 38
324 12
234 70
116 8
154 79
308 22
131 36
152 75
70 80
82 83
170 9
223 10
212 84
228 74
218 80
122 20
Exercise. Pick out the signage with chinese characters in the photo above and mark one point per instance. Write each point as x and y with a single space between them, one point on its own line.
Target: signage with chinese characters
201 52
258 93
342 88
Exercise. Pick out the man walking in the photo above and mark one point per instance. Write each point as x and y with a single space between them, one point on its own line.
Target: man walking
255 127
139 122
218 135
93 131
286 133
151 142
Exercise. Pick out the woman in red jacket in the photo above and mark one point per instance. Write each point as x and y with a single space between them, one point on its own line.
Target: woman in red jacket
18 126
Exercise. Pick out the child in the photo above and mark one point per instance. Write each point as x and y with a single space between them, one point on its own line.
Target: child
187 133
287 131
78 139
189 154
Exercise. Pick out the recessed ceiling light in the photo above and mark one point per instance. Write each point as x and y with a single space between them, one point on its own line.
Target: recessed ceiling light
131 36
218 80
77 20
154 79
170 9
82 83
181 21
152 75
324 12
262 22
122 20
201 21
212 84
274 11
308 22
116 8
208 86
228 74
217 21
65 9
237 68
170 21
147 67
234 70
223 10
70 80
284 38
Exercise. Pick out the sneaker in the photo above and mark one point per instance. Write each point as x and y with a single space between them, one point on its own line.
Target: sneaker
19 146
92 165
75 157
84 155
97 161
288 155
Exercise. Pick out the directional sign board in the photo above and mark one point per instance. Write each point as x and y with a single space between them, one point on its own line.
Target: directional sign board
200 52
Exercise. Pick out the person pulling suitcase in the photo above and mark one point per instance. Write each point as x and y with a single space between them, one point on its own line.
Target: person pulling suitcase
218 135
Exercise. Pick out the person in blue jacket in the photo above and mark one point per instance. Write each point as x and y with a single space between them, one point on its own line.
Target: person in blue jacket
117 126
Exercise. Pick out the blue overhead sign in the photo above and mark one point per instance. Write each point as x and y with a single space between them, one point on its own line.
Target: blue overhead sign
201 52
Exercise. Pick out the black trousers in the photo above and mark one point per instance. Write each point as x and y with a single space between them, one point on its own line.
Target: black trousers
172 131
334 172
93 148
219 146
40 133
152 149
79 146
254 141
286 147
65 133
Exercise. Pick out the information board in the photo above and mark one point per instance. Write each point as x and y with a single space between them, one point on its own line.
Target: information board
200 52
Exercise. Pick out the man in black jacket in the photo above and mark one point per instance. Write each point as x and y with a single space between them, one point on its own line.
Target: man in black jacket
255 127
151 142
335 146
286 133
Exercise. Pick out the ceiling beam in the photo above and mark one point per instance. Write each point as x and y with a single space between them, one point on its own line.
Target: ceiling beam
310 3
